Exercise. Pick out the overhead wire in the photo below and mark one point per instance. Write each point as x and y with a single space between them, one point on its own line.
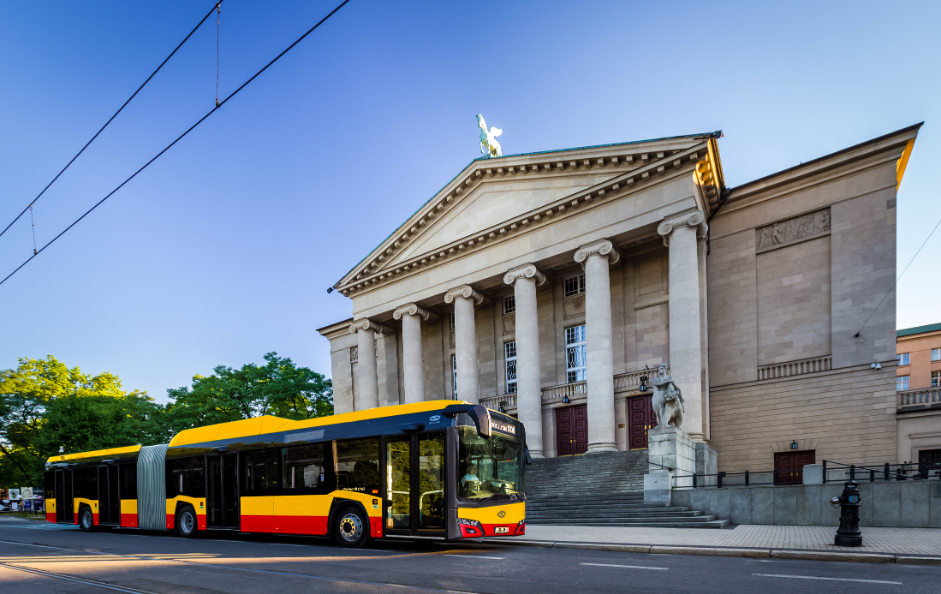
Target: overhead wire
178 138
897 280
134 94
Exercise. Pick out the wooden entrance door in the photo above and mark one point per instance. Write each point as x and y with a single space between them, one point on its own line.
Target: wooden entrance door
572 429
640 418
789 466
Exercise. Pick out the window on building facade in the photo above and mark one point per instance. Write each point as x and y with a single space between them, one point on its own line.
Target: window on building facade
453 377
575 355
903 358
509 351
902 382
509 304
936 354
936 379
574 285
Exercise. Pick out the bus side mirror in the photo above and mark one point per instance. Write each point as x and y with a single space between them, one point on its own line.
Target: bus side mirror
529 459
479 414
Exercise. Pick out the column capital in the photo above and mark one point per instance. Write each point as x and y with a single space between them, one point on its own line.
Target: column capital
465 291
365 324
602 247
696 220
410 309
524 271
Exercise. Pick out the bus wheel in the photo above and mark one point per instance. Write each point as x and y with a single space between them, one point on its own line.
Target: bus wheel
186 522
86 521
351 528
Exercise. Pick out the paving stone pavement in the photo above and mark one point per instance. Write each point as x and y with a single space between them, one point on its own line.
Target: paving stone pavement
898 541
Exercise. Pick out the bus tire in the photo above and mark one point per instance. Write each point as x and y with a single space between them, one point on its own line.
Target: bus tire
351 527
86 521
186 522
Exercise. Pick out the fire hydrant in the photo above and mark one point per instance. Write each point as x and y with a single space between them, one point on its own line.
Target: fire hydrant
848 534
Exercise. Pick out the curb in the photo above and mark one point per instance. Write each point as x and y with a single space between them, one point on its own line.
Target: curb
730 552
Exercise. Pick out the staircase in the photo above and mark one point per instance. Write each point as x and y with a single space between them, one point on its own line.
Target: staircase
601 490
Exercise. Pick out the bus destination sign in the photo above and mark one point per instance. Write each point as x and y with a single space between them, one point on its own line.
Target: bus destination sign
502 427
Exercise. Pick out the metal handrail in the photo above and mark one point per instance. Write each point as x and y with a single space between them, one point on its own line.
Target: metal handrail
906 471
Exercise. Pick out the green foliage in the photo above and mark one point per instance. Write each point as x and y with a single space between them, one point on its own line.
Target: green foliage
44 405
278 388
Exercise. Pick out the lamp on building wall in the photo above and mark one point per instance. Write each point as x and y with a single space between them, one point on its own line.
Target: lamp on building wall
794 445
644 379
565 399
501 408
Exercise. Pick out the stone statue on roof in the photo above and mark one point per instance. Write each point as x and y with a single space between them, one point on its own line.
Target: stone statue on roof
488 142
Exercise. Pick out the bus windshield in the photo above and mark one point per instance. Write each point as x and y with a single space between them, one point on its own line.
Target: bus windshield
490 469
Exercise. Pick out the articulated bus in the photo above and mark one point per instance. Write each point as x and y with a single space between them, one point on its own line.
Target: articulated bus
437 469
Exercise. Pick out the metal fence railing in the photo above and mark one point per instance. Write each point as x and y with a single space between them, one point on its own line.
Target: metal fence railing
839 472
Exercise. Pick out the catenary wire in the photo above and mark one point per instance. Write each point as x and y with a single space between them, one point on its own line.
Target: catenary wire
178 138
152 74
897 280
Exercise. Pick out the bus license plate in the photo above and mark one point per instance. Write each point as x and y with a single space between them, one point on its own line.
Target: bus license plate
501 530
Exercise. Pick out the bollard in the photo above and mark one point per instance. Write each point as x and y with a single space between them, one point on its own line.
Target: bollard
848 534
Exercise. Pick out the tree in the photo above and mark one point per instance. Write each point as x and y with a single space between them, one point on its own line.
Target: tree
45 405
277 388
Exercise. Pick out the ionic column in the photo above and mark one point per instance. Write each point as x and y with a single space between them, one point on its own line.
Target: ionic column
524 280
412 361
465 340
596 257
366 394
686 362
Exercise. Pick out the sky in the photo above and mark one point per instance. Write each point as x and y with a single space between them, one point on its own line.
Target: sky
223 249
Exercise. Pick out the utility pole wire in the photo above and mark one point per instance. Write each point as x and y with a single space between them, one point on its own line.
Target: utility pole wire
178 138
111 118
898 279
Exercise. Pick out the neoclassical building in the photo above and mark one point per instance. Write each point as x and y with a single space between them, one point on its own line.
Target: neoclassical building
547 284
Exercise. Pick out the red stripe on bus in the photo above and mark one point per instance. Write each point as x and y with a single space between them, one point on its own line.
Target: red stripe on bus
129 520
51 517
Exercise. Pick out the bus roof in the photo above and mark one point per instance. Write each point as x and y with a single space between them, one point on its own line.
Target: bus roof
94 454
270 424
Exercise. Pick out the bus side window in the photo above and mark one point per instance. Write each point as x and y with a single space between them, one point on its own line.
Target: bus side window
262 472
128 481
186 476
86 483
307 469
358 465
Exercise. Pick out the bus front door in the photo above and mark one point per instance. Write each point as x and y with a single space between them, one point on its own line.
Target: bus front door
222 503
414 490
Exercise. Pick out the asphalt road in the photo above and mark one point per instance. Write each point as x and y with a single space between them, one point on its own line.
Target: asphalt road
38 557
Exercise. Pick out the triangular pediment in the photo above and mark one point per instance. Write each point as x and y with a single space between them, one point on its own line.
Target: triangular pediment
489 193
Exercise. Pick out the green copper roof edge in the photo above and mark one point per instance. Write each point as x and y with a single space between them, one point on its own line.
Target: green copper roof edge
716 134
918 330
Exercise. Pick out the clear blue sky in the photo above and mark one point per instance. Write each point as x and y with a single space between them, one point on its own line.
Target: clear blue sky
223 249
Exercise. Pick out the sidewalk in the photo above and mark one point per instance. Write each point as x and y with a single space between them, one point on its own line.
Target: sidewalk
880 545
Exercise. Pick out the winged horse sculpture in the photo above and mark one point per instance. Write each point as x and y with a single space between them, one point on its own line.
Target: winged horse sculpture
488 142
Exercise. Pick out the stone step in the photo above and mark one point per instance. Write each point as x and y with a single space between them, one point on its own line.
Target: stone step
616 522
609 514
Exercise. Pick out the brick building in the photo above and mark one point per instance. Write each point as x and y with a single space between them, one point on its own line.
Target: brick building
546 284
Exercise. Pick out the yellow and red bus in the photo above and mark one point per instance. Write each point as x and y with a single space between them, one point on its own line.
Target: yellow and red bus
437 469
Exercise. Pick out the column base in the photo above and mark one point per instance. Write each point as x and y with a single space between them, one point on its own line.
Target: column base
601 448
536 453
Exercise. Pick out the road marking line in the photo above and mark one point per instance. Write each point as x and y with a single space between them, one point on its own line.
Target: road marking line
812 577
247 569
68 578
472 556
624 566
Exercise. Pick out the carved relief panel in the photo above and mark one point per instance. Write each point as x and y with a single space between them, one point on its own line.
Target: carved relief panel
794 230
573 307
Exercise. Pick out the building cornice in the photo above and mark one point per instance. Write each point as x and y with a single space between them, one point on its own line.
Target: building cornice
656 167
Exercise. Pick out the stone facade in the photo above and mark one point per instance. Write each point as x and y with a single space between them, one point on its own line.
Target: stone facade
552 280
919 392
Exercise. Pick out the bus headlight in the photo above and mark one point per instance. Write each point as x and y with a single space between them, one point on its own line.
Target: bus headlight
521 527
470 528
